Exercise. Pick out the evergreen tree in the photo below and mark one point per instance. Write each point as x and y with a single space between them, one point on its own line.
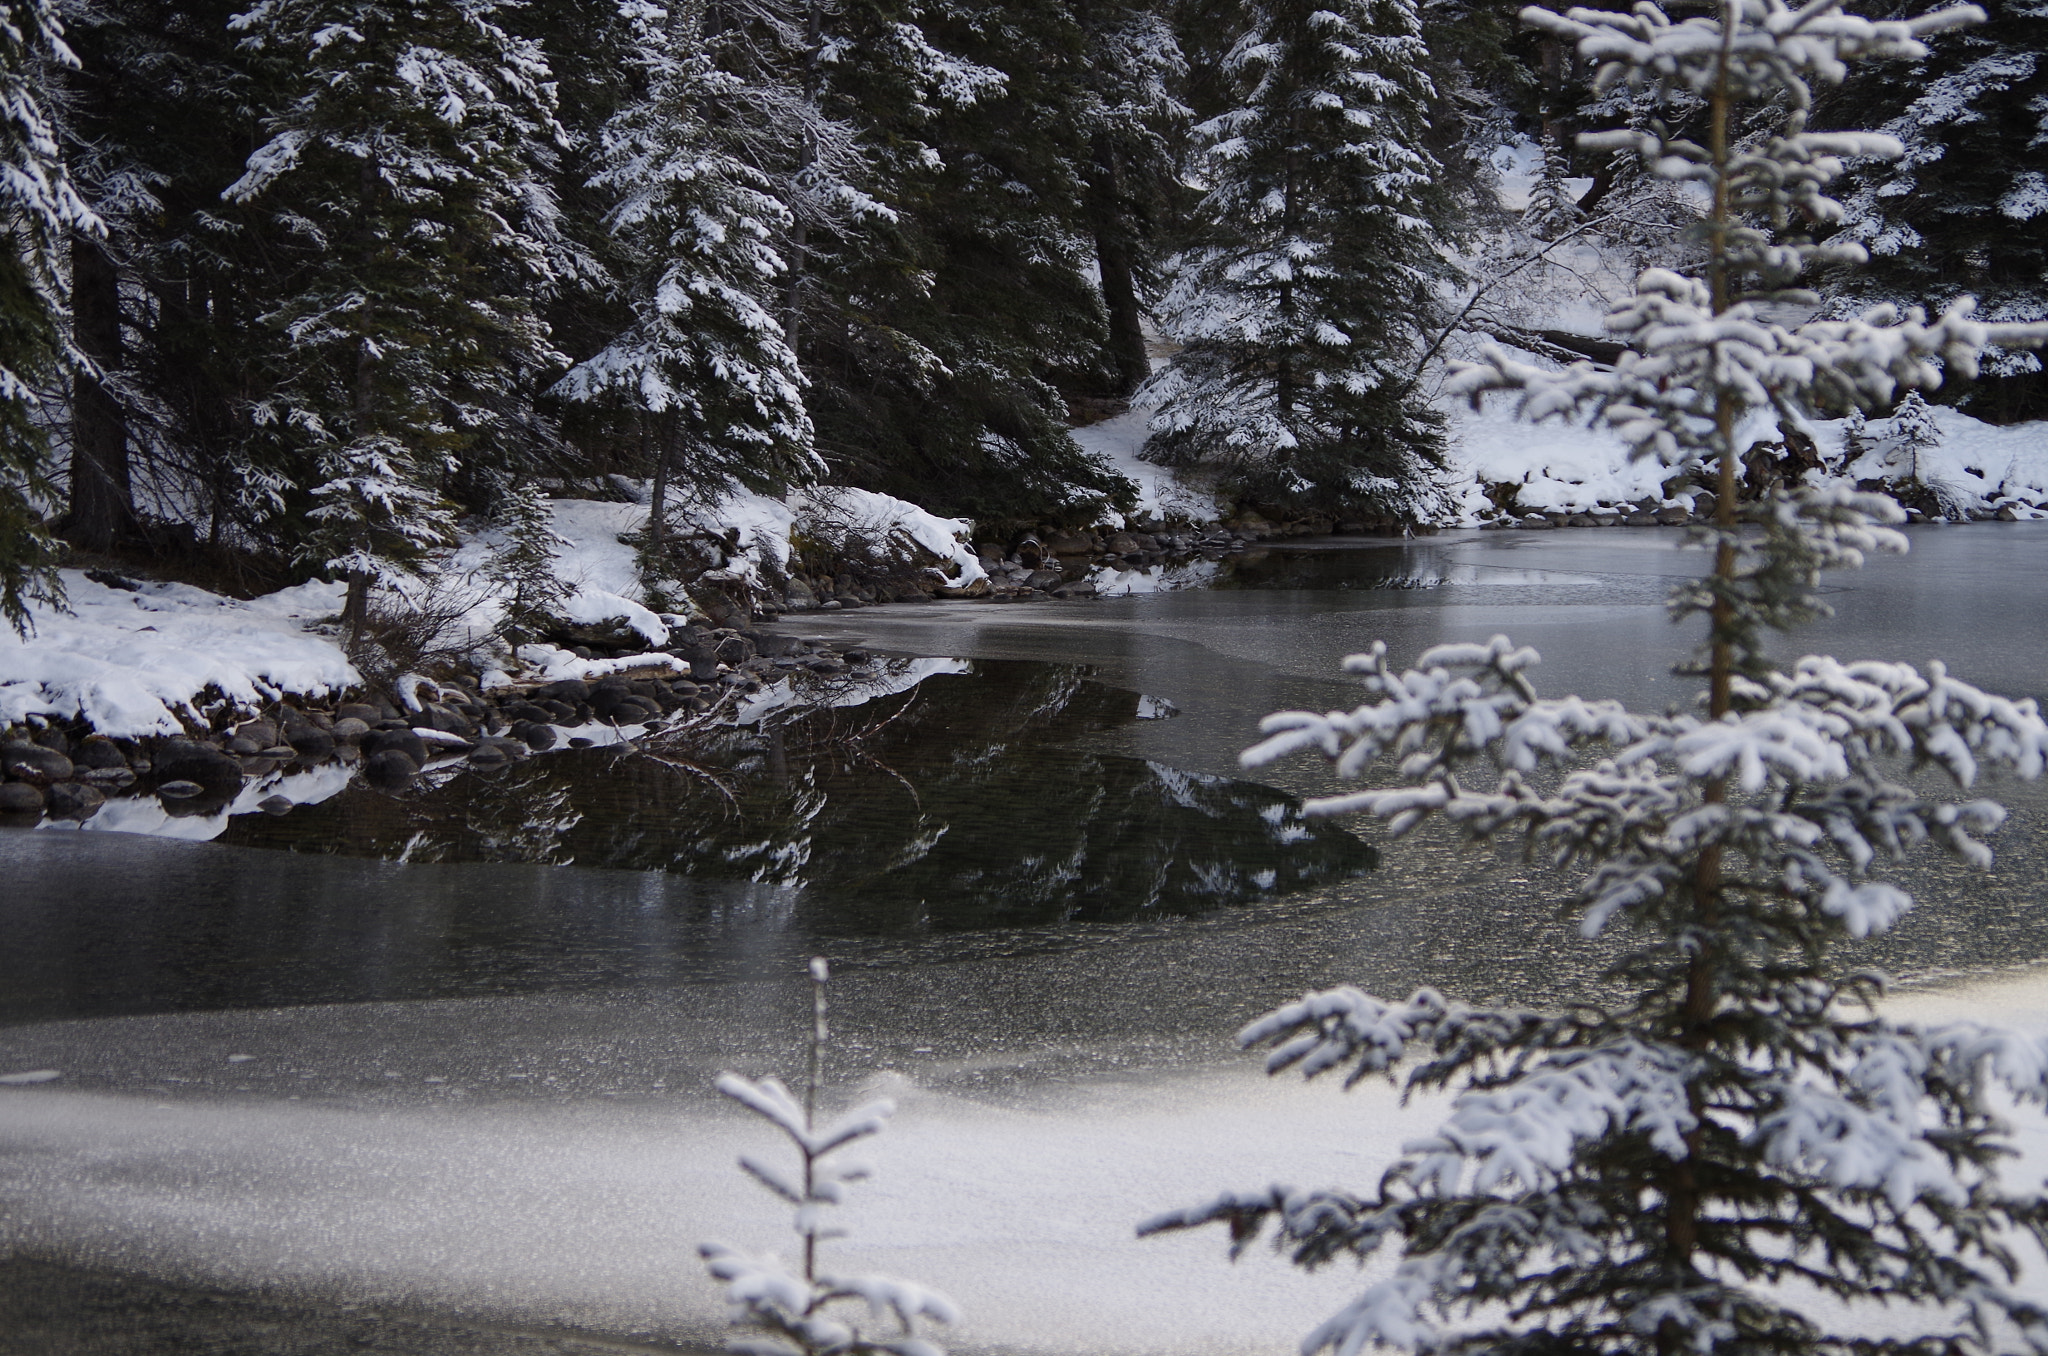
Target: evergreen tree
1679 1172
938 351
1553 209
1314 270
1965 209
39 210
1133 119
704 364
803 1312
404 184
523 564
778 110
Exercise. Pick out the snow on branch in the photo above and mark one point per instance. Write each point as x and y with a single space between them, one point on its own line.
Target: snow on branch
1525 1135
1323 1030
790 1312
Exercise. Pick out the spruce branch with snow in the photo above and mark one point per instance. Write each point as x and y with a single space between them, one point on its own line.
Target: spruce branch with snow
1683 1171
798 1312
405 179
41 210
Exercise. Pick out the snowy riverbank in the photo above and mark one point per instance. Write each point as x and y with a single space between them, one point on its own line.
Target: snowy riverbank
137 659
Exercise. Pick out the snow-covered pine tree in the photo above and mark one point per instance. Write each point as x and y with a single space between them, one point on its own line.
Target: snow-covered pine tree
1855 437
704 364
798 1313
1553 207
1908 436
523 564
404 180
870 331
1133 120
780 113
1913 428
1685 1171
1965 209
39 209
939 341
1315 266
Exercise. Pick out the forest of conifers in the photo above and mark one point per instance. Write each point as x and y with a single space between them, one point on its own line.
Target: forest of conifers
307 281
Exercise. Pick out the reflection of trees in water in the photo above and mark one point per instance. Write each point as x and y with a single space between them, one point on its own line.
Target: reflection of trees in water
1384 567
963 803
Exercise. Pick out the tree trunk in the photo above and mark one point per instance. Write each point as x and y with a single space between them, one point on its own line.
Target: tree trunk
1284 367
1126 351
355 607
102 499
1682 1201
657 498
799 260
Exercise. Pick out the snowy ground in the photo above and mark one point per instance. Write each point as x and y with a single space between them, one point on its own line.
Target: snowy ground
1566 468
1160 493
143 662
139 662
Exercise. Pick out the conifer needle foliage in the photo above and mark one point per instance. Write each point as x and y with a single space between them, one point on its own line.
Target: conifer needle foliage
1313 270
802 1311
1686 1170
38 211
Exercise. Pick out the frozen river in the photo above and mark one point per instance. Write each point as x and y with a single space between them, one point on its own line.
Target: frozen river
473 1097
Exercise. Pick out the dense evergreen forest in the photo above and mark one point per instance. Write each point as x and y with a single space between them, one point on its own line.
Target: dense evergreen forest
304 283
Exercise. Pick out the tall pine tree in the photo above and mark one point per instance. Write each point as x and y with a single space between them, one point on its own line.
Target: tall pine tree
1740 1144
1965 209
942 335
39 211
404 182
1313 272
704 365
1133 119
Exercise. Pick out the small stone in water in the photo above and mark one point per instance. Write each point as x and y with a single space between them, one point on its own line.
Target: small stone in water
276 805
179 790
390 769
74 800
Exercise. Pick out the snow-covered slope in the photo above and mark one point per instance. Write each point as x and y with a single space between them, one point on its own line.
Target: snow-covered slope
144 661
1160 493
1566 468
138 662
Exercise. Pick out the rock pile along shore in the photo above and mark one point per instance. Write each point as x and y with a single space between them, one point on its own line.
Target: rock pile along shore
1047 562
67 770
